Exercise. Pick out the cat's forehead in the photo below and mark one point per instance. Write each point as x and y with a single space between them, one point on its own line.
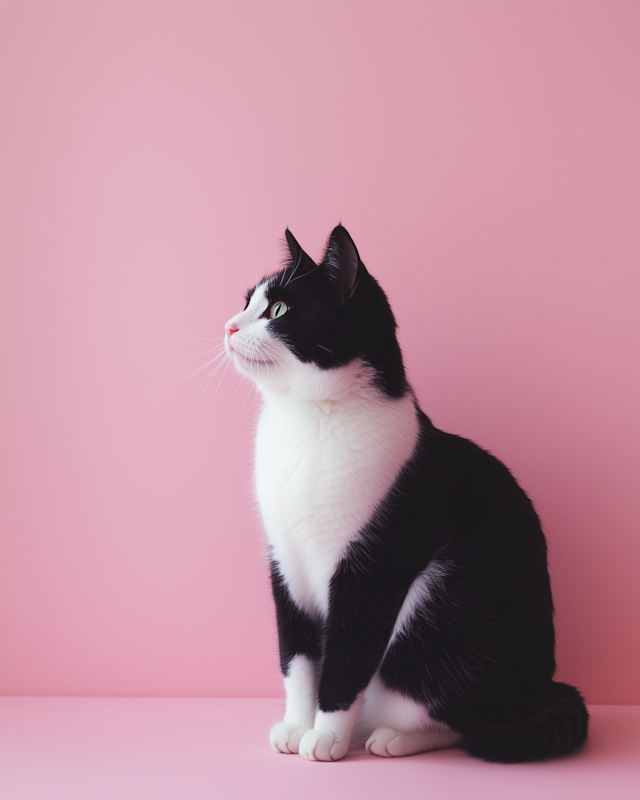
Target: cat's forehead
257 298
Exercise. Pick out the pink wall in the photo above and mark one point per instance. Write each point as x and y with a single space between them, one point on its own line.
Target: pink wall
484 155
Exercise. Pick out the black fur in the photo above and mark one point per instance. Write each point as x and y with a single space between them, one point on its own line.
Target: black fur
480 656
298 632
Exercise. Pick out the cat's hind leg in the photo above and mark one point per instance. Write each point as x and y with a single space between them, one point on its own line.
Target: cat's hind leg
388 742
392 724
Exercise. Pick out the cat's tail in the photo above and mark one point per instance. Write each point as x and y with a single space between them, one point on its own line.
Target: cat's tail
559 728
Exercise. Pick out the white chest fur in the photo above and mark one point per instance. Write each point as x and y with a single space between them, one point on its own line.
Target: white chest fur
322 467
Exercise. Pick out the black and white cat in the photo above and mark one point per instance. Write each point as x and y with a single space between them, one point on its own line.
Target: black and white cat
409 569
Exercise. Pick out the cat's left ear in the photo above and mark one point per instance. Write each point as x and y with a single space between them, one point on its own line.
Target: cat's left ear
341 261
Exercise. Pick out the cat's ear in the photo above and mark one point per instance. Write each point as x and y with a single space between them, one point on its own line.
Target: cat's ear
294 255
341 261
295 251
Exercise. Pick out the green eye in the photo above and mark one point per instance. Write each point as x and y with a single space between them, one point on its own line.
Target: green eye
278 309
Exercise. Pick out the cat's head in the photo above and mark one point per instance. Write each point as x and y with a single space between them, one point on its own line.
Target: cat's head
314 329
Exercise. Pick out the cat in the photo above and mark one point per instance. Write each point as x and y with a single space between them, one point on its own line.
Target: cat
409 569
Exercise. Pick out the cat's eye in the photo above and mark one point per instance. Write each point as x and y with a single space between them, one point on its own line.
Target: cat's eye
278 309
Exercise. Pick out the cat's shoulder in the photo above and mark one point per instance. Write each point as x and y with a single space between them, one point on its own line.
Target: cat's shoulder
459 458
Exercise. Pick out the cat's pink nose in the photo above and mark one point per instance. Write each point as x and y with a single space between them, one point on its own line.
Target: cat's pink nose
231 329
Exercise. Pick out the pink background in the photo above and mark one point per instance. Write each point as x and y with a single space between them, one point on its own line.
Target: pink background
484 155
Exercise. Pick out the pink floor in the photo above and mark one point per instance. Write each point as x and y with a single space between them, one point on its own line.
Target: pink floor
118 749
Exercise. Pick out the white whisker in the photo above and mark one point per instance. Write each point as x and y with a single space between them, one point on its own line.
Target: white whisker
207 381
208 364
210 338
224 372
292 279
252 392
199 355
294 269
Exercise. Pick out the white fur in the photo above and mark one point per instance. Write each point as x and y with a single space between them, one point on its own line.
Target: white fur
321 469
389 743
331 735
301 686
249 347
384 708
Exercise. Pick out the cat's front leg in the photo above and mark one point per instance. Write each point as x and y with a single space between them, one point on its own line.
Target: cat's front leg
301 686
362 610
331 734
299 638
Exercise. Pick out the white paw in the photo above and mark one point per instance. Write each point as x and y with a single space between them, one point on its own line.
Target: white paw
286 738
379 741
322 746
389 743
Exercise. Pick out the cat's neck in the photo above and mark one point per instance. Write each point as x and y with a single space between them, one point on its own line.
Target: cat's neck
315 389
357 412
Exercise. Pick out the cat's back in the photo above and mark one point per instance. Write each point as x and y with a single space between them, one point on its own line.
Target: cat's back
481 490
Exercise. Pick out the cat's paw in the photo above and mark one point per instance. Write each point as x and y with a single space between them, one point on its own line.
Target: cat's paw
286 738
389 743
322 746
382 743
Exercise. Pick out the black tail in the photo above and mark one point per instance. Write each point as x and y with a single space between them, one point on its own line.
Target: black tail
559 728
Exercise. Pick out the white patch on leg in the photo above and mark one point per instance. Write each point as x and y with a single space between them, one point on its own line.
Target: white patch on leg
301 685
331 735
392 724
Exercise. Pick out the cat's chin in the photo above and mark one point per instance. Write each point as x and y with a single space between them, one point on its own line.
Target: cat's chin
249 365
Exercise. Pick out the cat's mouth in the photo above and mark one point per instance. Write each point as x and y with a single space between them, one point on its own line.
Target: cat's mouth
252 361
